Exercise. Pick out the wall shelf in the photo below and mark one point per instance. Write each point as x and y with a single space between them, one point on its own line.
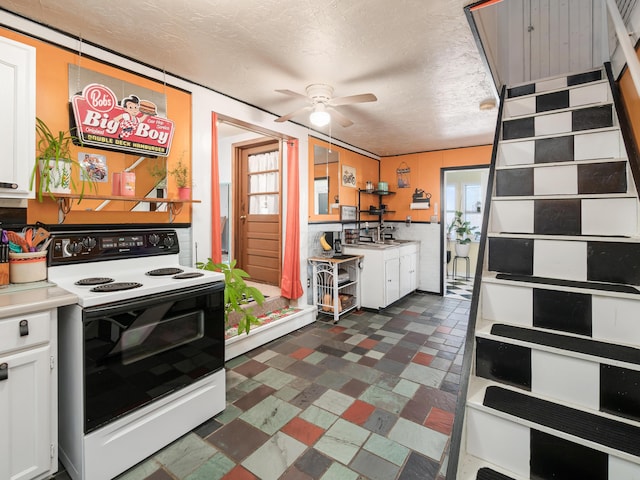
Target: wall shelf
65 202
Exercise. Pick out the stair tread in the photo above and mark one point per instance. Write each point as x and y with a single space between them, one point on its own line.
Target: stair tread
588 426
486 473
606 287
587 346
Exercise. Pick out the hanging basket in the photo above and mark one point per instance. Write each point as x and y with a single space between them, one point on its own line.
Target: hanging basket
403 172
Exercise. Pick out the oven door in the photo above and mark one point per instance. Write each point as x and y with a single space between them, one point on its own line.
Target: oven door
139 350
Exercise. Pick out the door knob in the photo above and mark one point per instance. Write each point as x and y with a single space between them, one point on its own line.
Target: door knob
243 217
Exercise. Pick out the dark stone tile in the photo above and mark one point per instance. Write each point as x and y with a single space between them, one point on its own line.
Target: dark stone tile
308 396
446 355
334 363
450 387
285 348
359 350
226 439
614 262
207 428
435 398
556 149
368 361
354 388
514 182
390 366
415 411
520 128
415 337
397 322
250 368
557 217
419 467
602 178
382 347
521 90
511 255
305 370
254 397
592 117
159 474
376 337
330 351
293 473
400 354
552 101
380 422
313 463
581 78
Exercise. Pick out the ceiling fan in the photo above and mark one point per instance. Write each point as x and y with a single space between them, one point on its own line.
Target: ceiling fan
322 104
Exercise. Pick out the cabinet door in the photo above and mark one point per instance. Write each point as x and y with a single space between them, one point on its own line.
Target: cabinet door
25 423
392 280
17 117
405 274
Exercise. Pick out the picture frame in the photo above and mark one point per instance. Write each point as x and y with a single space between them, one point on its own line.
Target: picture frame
348 213
348 176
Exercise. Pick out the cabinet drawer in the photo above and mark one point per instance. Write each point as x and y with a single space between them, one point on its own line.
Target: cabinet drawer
37 327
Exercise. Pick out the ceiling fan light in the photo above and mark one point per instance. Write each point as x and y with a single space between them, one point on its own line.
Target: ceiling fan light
320 117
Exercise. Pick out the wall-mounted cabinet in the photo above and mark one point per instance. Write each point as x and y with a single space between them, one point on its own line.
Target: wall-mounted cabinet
17 117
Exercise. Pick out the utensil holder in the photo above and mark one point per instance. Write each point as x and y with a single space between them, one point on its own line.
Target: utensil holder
27 267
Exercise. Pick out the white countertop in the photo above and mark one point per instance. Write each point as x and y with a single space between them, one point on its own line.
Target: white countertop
20 299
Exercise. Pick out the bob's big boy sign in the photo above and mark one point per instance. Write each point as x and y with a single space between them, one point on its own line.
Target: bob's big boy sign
131 125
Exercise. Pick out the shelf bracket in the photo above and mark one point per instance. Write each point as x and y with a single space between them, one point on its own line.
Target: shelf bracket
64 207
174 209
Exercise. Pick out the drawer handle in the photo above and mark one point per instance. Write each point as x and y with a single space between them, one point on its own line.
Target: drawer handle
4 371
24 328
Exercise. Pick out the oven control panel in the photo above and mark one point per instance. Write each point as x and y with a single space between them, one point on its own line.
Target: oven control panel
70 247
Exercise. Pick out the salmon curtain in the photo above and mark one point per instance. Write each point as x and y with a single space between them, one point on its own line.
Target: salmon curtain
290 285
216 233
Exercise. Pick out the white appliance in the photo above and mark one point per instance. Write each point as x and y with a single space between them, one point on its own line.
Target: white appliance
141 353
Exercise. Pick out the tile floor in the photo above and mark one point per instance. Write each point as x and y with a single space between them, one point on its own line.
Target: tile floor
372 397
459 288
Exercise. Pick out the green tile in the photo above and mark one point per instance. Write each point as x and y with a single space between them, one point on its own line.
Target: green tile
248 385
263 357
352 357
274 378
406 388
339 472
381 398
216 468
286 393
270 415
318 417
186 454
333 401
315 358
272 459
421 439
233 379
342 441
234 362
228 414
428 376
140 471
387 449
333 380
362 373
280 361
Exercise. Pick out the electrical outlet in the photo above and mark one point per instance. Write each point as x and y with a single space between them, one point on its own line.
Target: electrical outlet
308 283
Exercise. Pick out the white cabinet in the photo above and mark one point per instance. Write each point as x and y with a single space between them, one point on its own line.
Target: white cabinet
388 273
17 117
408 268
28 396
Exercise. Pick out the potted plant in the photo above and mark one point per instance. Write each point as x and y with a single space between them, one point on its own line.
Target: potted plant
54 162
181 173
236 294
463 231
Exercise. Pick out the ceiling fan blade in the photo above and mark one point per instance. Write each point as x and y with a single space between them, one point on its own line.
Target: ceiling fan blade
340 118
363 97
291 93
289 116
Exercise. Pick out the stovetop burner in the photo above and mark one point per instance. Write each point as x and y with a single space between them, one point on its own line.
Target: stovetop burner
117 286
159 272
180 276
94 281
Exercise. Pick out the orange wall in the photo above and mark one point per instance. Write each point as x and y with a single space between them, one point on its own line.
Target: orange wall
52 106
425 174
631 101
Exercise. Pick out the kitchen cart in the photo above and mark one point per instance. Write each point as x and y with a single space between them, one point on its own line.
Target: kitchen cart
336 284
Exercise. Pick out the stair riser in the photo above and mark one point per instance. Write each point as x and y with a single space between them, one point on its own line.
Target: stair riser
615 262
572 179
589 118
554 83
563 379
528 452
563 99
595 217
604 318
566 148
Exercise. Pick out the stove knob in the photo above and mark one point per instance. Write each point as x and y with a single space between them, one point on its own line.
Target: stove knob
154 238
168 242
75 247
89 242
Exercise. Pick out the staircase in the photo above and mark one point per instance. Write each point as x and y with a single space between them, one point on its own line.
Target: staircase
553 353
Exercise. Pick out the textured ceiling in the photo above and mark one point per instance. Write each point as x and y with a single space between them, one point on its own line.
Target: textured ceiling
417 56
